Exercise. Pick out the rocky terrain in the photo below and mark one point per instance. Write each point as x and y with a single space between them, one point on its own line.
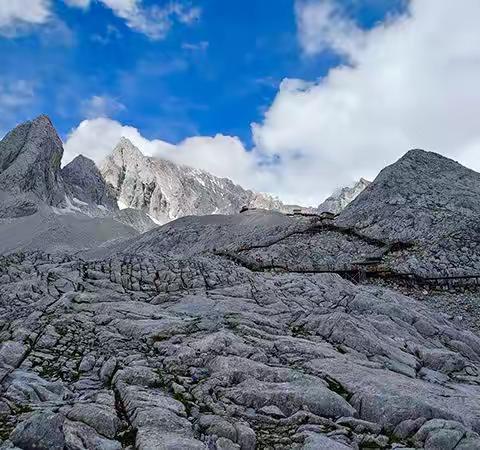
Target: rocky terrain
248 331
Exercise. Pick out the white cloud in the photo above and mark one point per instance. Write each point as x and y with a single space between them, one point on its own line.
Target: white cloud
153 21
101 106
18 16
84 4
224 156
412 83
323 25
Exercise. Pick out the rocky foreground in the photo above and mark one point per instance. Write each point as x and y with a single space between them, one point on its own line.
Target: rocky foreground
165 353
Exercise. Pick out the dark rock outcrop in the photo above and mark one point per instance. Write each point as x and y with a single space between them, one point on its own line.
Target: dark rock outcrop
30 158
85 183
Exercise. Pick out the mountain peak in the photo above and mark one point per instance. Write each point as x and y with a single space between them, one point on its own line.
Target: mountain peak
85 182
343 197
42 119
410 199
127 149
30 158
81 160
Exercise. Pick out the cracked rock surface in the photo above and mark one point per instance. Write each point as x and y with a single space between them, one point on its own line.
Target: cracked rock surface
158 352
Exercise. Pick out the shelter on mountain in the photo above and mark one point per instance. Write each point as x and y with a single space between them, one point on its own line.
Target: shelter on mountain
327 215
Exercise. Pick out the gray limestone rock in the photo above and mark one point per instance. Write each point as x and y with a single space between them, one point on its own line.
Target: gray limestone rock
41 431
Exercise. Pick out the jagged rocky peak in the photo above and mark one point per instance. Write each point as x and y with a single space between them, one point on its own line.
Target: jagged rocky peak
85 183
340 199
124 153
30 158
167 191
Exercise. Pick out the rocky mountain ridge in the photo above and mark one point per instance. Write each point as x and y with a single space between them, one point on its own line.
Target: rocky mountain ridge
167 191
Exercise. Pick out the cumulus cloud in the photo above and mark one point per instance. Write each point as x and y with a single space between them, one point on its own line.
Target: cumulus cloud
411 82
18 16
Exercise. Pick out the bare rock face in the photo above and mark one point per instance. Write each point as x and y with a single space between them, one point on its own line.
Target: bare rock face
86 183
30 158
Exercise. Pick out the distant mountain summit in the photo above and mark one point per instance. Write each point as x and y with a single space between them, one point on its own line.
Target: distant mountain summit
339 200
167 191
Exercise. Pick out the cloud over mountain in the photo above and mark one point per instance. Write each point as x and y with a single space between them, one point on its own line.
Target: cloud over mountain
405 83
409 82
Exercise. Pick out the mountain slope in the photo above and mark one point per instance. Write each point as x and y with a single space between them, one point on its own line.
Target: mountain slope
430 201
421 195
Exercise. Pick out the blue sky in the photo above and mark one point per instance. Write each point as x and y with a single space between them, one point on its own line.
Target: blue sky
217 74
